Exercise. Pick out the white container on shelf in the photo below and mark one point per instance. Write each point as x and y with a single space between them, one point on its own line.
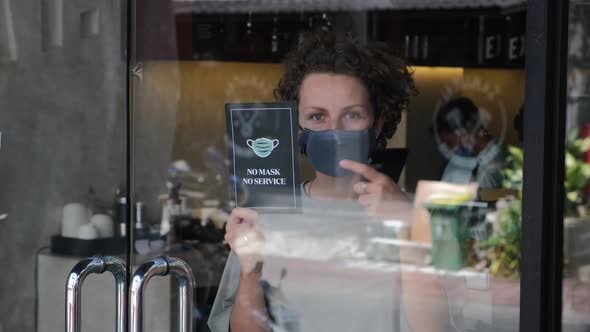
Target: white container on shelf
87 232
74 215
103 224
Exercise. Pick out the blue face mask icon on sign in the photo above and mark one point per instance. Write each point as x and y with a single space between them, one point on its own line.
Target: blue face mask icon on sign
262 147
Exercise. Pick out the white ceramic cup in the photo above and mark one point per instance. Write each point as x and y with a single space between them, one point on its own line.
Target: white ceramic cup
73 216
104 224
87 232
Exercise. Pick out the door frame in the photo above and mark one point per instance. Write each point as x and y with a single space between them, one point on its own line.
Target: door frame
543 171
544 158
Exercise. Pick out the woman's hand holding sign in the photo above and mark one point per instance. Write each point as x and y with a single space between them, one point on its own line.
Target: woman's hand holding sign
380 196
244 238
249 312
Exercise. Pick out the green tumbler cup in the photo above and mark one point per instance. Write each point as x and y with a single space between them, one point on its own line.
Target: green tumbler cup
448 223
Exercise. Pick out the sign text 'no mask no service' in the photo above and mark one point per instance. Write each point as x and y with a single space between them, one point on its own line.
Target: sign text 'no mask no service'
263 154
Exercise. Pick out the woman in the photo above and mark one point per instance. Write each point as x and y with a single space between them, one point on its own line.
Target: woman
350 100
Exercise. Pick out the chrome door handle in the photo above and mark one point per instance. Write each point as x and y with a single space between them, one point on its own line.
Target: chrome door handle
161 267
76 277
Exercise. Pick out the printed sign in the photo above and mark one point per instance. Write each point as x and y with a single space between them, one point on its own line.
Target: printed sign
263 154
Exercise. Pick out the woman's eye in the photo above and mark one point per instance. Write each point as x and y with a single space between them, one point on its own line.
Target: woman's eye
316 116
353 115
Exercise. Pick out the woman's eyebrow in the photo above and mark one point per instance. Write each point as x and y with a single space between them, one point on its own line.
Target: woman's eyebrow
361 106
315 108
364 106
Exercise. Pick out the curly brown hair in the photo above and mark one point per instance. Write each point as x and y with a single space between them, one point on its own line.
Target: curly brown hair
387 77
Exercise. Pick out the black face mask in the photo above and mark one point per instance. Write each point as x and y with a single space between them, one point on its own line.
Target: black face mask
325 149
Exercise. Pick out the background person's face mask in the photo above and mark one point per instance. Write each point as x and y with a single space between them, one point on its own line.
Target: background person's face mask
325 149
461 166
457 151
467 144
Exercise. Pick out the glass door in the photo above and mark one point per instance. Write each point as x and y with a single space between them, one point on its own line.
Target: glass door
242 114
62 159
264 165
576 289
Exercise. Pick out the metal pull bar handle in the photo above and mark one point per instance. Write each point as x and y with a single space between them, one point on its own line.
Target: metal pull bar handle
163 266
76 277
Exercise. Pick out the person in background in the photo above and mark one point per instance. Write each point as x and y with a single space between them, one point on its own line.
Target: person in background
473 155
350 99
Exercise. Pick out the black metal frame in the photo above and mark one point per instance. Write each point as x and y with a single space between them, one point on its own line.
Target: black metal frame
544 146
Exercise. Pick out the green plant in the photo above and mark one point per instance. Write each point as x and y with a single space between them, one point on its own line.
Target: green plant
577 172
504 245
513 171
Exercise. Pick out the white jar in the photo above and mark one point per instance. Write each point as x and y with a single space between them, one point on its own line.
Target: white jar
104 224
73 216
87 232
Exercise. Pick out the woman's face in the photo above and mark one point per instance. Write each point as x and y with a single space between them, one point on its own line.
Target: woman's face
330 101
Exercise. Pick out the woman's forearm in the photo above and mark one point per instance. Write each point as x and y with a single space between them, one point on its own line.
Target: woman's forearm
249 313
